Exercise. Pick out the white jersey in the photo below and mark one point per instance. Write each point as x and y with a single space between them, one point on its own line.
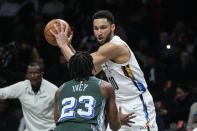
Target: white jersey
131 92
125 77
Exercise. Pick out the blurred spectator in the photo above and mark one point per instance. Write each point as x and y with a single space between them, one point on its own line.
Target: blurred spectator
164 44
194 52
58 73
143 51
191 40
121 31
10 7
139 22
88 43
178 109
168 50
9 116
8 54
194 87
159 119
8 60
2 50
155 77
156 10
26 54
184 70
26 14
47 52
53 7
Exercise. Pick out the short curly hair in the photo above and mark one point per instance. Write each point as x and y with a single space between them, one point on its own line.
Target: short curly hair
81 66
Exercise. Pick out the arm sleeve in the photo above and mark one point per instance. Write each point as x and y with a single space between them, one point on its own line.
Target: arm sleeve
12 91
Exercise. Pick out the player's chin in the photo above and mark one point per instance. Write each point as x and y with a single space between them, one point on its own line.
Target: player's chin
101 42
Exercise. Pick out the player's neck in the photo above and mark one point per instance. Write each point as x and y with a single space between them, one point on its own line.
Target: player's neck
112 36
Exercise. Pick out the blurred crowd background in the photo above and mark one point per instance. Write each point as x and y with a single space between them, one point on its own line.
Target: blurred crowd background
161 33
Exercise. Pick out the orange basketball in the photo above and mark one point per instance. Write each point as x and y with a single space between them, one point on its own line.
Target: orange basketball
50 26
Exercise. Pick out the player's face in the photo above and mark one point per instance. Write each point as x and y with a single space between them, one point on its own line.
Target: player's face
34 75
180 94
103 30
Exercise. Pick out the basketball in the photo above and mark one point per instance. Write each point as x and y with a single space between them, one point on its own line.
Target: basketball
50 26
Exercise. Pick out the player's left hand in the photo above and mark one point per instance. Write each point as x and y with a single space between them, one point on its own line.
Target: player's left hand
126 118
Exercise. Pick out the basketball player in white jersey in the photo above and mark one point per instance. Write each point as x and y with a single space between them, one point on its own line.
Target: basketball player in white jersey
121 68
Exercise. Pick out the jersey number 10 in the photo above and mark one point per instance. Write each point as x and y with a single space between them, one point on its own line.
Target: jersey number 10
113 82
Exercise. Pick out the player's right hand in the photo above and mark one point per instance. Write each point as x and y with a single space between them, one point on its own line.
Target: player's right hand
125 119
61 36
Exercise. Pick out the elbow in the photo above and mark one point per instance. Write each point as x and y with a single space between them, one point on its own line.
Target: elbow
56 118
115 127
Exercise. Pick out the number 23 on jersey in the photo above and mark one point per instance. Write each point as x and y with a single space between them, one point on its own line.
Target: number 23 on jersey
69 105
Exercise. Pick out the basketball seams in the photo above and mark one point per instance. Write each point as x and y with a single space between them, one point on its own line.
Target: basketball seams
50 26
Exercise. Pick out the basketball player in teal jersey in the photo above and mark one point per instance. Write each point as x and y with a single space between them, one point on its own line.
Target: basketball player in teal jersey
80 103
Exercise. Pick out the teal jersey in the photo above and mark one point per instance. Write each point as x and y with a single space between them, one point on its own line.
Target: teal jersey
81 103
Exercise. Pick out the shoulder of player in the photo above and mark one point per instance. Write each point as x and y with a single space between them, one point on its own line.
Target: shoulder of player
112 45
57 93
106 88
63 86
105 84
111 48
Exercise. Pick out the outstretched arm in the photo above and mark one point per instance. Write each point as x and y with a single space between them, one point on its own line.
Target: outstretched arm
109 51
71 47
63 41
111 109
113 116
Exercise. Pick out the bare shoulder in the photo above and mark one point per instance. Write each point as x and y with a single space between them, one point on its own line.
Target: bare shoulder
111 46
106 89
105 84
110 49
118 52
57 93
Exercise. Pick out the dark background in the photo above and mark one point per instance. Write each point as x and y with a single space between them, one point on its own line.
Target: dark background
148 26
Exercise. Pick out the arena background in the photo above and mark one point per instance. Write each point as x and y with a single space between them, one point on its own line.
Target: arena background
162 34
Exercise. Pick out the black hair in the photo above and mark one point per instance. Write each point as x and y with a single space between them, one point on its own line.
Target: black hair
183 87
81 65
36 64
104 14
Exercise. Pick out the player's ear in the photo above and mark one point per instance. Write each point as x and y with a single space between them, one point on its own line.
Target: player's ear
113 27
